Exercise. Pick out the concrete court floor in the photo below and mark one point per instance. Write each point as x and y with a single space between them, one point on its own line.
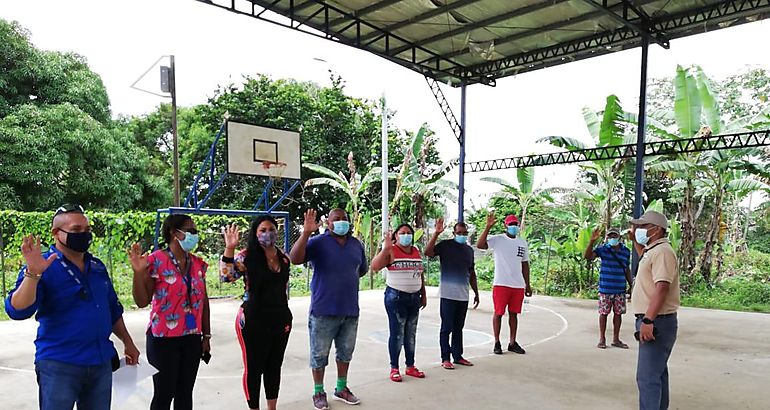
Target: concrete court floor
721 361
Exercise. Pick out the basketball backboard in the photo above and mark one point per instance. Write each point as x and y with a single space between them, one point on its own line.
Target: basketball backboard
250 146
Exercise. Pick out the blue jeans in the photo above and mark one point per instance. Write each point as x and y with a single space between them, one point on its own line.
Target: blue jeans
652 365
62 385
403 311
452 322
343 330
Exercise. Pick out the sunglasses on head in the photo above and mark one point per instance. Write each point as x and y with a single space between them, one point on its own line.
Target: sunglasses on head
68 208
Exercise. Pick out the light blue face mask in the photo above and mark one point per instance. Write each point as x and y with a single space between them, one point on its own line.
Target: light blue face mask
613 241
405 239
189 242
513 230
341 228
641 236
461 239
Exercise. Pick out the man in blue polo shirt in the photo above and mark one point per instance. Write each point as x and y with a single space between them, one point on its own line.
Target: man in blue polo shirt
613 276
338 261
70 292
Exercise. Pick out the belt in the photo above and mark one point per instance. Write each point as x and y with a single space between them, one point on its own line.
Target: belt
641 315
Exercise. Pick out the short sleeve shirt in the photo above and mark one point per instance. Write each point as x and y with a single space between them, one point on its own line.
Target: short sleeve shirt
658 264
612 273
456 262
336 272
509 255
172 312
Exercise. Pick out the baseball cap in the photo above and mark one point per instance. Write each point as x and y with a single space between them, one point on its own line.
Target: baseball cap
653 218
616 231
510 219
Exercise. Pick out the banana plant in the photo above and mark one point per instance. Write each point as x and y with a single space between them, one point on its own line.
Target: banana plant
354 186
607 129
523 193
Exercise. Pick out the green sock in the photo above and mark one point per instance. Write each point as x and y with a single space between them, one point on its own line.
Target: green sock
318 388
342 382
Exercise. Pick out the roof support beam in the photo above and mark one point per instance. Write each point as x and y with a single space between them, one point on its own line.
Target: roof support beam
665 147
424 16
366 10
483 23
644 26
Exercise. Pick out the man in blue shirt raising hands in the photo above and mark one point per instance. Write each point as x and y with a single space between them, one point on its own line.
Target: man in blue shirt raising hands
613 275
71 295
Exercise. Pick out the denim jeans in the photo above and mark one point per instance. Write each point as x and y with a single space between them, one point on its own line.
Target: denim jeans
343 330
403 311
652 365
62 385
452 322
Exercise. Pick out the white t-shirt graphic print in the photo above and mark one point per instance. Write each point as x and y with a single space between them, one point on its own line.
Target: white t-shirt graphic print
509 255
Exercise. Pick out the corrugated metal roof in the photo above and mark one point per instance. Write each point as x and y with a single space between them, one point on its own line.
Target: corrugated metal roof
478 41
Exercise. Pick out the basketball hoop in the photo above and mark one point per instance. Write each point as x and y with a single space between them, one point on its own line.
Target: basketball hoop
274 169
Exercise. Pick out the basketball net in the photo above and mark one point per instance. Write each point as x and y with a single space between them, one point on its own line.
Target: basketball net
274 170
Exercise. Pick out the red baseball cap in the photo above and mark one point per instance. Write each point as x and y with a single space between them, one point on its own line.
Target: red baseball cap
511 219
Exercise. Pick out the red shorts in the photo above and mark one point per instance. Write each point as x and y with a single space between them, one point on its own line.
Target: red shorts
504 297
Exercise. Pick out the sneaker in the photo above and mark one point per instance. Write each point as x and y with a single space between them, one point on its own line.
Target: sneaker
498 349
414 372
515 348
464 362
346 396
447 365
319 401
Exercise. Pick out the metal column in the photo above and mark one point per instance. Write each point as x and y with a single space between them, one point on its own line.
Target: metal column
642 126
461 196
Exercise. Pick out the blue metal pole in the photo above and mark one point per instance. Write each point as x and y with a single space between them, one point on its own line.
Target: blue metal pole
157 230
461 195
642 128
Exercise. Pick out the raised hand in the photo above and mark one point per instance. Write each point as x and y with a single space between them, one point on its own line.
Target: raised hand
310 224
387 241
490 220
596 234
137 258
232 236
439 225
30 249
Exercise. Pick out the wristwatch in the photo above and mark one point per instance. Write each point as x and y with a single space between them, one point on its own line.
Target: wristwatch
647 321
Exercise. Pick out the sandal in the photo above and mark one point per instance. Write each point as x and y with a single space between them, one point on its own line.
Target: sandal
602 345
414 372
620 344
395 375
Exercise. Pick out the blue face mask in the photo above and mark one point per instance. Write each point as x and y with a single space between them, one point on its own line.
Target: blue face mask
613 241
641 236
341 228
513 230
189 242
461 239
405 239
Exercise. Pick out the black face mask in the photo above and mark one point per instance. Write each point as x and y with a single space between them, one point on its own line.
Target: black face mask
78 241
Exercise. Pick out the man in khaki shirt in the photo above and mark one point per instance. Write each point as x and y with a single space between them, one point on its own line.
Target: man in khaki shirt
655 300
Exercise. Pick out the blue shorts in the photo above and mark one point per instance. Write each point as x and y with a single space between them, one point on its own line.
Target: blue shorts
343 330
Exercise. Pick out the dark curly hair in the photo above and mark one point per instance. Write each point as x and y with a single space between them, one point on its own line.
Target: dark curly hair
171 224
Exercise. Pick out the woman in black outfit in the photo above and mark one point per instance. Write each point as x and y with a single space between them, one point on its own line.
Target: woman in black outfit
264 320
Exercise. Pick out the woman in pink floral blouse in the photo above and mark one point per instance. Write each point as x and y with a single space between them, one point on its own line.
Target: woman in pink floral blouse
173 280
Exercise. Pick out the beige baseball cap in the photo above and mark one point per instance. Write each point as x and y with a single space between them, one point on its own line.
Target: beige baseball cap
653 218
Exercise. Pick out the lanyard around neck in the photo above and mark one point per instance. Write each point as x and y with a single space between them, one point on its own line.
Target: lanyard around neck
187 278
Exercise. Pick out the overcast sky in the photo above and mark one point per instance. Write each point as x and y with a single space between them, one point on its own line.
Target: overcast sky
213 46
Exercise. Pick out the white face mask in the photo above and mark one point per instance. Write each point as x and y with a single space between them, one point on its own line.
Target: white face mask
641 236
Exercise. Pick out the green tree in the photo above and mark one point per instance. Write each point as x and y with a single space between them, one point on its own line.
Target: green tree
58 153
524 193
